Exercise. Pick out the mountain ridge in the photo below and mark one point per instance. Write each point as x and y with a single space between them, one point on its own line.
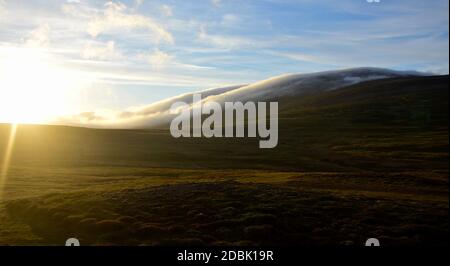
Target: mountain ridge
273 89
398 124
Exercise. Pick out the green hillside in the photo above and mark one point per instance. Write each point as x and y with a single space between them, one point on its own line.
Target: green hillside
397 124
373 156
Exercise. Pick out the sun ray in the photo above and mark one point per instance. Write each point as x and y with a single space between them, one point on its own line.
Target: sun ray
35 86
7 158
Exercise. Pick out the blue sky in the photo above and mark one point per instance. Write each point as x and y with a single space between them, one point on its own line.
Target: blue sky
120 54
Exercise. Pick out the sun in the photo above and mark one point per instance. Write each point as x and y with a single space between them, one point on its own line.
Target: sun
34 88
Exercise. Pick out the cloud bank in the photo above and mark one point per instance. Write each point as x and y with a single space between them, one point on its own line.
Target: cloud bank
273 89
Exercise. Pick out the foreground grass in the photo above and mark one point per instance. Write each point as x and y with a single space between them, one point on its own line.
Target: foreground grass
132 206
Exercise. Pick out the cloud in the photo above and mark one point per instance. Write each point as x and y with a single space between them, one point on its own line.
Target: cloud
302 57
158 114
39 37
229 20
169 73
420 53
116 18
151 115
2 6
225 42
216 3
101 51
126 44
138 3
159 59
90 116
166 10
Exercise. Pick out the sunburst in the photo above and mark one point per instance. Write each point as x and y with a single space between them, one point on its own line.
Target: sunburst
7 158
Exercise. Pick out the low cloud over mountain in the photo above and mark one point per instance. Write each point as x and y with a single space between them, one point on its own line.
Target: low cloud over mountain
272 89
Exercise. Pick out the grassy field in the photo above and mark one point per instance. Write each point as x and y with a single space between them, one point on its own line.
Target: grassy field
370 160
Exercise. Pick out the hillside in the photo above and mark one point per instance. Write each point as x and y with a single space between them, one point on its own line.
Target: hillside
158 114
351 129
370 159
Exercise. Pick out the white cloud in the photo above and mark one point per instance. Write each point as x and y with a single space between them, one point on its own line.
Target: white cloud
138 3
225 42
39 37
149 115
216 3
101 51
158 114
229 20
413 52
159 59
115 17
413 38
302 57
166 10
139 72
2 6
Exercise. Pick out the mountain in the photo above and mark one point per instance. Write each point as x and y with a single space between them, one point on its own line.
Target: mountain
369 159
394 124
276 88
273 89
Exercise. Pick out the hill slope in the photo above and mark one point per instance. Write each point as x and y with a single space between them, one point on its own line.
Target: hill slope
363 161
273 89
348 129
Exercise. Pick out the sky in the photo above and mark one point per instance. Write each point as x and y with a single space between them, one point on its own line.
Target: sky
71 56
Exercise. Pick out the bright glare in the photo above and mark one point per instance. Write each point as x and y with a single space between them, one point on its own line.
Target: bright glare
33 88
7 158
